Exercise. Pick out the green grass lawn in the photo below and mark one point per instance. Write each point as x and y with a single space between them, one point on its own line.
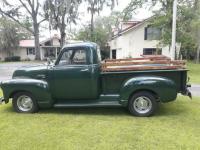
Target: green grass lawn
176 125
194 72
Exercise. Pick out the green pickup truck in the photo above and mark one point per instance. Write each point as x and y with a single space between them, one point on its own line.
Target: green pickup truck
76 79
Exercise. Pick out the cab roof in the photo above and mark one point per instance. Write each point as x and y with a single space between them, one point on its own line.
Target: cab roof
81 44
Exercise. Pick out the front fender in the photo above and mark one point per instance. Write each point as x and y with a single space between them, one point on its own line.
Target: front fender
39 89
164 88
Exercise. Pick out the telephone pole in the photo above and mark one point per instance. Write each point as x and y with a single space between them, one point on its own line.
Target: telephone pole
173 43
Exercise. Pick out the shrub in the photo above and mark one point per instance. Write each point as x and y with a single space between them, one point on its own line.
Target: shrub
27 59
12 58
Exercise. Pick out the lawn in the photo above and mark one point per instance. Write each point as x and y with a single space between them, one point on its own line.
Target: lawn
194 72
175 126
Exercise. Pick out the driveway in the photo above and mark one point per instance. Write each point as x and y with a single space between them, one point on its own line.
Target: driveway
6 71
195 89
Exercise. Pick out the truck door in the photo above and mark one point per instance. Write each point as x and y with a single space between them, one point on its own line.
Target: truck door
72 75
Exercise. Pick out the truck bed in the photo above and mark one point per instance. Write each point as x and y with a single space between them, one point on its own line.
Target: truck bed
115 72
112 80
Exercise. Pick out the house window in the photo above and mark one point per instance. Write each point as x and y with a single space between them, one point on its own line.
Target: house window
152 33
152 51
114 54
30 51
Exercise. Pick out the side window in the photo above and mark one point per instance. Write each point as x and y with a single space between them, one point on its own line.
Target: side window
80 57
73 57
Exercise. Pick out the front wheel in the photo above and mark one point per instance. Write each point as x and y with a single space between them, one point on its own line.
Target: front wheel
24 102
142 104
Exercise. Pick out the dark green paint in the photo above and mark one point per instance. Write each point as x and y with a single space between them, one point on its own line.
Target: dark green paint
40 90
152 84
85 85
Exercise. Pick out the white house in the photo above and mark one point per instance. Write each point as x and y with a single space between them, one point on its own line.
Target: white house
136 38
49 47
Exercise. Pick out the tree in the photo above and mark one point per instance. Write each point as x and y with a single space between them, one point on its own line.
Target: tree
196 27
29 9
96 6
102 32
60 13
116 17
10 34
163 19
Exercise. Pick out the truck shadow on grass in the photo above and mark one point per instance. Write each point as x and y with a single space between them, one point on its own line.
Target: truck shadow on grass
120 111
163 110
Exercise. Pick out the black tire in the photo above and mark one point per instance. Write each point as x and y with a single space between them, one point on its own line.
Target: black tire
33 106
150 102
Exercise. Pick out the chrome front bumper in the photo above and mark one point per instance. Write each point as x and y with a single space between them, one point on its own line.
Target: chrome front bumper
1 100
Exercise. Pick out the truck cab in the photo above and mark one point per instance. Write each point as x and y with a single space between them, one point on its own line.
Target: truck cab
76 79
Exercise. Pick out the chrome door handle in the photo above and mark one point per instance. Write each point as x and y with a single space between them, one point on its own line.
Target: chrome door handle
41 76
84 70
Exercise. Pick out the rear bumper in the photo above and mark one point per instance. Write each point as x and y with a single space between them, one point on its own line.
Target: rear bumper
187 91
1 100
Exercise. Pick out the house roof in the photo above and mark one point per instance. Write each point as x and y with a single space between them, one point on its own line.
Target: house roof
26 43
31 43
48 39
132 27
80 44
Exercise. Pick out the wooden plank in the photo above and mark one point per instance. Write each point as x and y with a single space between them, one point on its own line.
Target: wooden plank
144 62
136 63
143 68
155 56
144 57
177 62
128 59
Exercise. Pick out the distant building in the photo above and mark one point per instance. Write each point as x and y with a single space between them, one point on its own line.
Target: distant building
136 38
48 48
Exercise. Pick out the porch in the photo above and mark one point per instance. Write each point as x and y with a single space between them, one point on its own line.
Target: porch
49 52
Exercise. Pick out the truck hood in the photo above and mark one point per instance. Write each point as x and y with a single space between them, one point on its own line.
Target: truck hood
34 72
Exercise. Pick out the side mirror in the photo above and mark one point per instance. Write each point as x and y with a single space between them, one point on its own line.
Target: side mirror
48 61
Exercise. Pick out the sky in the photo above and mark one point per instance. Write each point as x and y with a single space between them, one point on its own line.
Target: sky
141 14
84 16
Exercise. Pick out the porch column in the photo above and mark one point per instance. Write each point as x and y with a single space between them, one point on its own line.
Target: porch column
41 53
56 51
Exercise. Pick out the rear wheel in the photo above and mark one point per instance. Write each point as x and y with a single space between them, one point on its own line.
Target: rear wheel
24 102
142 104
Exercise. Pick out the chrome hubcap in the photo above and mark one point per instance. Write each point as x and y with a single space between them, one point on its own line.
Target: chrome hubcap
24 103
142 104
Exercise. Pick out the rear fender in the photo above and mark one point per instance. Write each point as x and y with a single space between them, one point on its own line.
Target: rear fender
164 88
39 89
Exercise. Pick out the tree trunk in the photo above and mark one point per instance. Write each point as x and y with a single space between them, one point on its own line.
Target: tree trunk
62 32
62 39
62 28
92 26
36 38
37 43
198 53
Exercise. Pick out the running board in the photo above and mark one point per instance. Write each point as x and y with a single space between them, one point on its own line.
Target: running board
97 104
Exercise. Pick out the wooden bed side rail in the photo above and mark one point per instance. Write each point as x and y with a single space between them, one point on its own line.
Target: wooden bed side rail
136 68
167 62
144 57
